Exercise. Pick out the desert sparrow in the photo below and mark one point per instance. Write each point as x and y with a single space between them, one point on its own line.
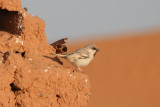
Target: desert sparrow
81 57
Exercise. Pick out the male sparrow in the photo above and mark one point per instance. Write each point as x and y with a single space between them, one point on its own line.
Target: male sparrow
81 57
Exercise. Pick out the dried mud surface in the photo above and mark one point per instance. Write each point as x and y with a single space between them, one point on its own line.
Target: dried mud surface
11 5
29 75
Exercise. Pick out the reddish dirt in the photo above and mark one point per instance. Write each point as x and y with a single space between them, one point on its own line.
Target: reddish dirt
11 5
125 73
29 75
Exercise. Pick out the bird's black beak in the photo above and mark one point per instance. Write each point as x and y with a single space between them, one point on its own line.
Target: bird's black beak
97 50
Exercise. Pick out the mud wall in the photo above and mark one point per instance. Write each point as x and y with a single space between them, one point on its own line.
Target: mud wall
29 75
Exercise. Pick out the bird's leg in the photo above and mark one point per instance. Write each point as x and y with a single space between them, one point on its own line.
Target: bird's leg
79 69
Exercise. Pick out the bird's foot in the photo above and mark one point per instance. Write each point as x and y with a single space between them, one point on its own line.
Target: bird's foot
80 70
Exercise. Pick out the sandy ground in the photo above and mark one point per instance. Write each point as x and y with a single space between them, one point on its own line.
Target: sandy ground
125 73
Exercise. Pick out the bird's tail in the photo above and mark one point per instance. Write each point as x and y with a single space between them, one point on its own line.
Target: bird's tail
61 55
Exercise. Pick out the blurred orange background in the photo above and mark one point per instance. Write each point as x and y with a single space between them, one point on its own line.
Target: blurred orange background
126 71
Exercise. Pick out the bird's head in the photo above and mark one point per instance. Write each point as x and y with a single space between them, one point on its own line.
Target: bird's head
92 48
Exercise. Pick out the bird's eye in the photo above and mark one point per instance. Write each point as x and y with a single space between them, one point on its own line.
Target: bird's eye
94 48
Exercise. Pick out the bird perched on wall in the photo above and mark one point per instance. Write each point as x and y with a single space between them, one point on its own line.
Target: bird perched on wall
81 57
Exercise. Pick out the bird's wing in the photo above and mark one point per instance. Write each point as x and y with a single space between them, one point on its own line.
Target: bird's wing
83 55
79 54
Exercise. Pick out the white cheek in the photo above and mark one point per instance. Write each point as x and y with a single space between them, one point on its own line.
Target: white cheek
92 52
